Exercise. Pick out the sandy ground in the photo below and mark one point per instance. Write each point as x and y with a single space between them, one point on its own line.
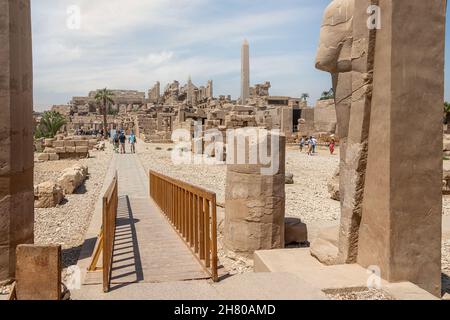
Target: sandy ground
66 224
307 198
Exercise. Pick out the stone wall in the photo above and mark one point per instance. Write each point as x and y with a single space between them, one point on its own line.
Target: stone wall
16 130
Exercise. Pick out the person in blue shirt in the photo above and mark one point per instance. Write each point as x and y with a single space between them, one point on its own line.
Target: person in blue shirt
122 140
132 140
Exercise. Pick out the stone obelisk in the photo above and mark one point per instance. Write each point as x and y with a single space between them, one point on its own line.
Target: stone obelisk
245 72
189 92
16 147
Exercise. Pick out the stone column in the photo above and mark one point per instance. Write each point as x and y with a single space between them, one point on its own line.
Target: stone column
255 200
16 144
401 222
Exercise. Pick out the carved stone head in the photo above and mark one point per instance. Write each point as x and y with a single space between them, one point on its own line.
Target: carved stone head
336 37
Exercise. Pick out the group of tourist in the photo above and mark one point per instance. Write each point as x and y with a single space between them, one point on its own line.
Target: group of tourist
311 144
119 142
81 132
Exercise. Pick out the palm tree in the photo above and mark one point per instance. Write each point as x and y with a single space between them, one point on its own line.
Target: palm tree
305 97
104 98
326 95
51 122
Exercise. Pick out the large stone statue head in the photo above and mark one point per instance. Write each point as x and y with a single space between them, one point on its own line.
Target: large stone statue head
336 37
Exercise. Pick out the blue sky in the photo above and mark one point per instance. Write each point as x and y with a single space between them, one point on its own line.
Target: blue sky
134 43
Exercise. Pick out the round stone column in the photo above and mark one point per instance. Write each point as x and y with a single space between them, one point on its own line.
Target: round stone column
255 194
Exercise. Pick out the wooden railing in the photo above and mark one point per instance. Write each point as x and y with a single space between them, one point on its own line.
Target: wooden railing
105 243
192 212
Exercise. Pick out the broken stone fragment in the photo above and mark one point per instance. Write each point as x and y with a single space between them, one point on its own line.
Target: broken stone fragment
289 178
47 195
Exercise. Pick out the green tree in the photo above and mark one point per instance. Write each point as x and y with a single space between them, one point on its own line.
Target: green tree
326 95
51 122
446 112
305 97
104 98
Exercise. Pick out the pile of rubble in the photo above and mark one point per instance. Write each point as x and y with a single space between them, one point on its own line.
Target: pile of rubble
49 194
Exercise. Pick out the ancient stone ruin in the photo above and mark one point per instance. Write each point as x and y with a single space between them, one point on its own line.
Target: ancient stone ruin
391 204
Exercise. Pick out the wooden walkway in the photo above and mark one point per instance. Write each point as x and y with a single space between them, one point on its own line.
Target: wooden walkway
147 248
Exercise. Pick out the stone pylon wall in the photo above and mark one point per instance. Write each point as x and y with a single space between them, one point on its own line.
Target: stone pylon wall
16 130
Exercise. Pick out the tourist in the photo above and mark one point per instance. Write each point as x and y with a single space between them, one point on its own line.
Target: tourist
332 146
132 140
116 142
314 145
122 140
310 145
302 144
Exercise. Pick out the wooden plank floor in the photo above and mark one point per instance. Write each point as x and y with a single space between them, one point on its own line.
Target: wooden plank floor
147 248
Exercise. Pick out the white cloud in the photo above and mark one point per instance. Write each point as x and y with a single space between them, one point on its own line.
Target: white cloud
158 58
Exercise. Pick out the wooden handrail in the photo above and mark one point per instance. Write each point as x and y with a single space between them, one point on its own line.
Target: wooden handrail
192 212
105 241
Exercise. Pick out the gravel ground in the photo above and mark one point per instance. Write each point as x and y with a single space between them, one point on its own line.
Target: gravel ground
307 198
66 224
369 294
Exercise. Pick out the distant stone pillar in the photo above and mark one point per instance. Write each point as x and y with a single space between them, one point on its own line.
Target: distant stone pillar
402 212
245 72
16 132
255 200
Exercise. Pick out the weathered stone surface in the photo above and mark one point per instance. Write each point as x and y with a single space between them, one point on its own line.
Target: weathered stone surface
333 186
324 251
295 231
38 273
53 157
325 246
81 143
81 149
16 145
48 142
47 195
43 157
403 237
255 205
58 144
49 150
72 179
289 178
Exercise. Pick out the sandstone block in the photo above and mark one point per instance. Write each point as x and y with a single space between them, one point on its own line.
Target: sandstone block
49 150
48 142
43 157
324 251
71 179
53 157
82 149
70 149
69 143
60 150
38 273
81 143
47 195
58 144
